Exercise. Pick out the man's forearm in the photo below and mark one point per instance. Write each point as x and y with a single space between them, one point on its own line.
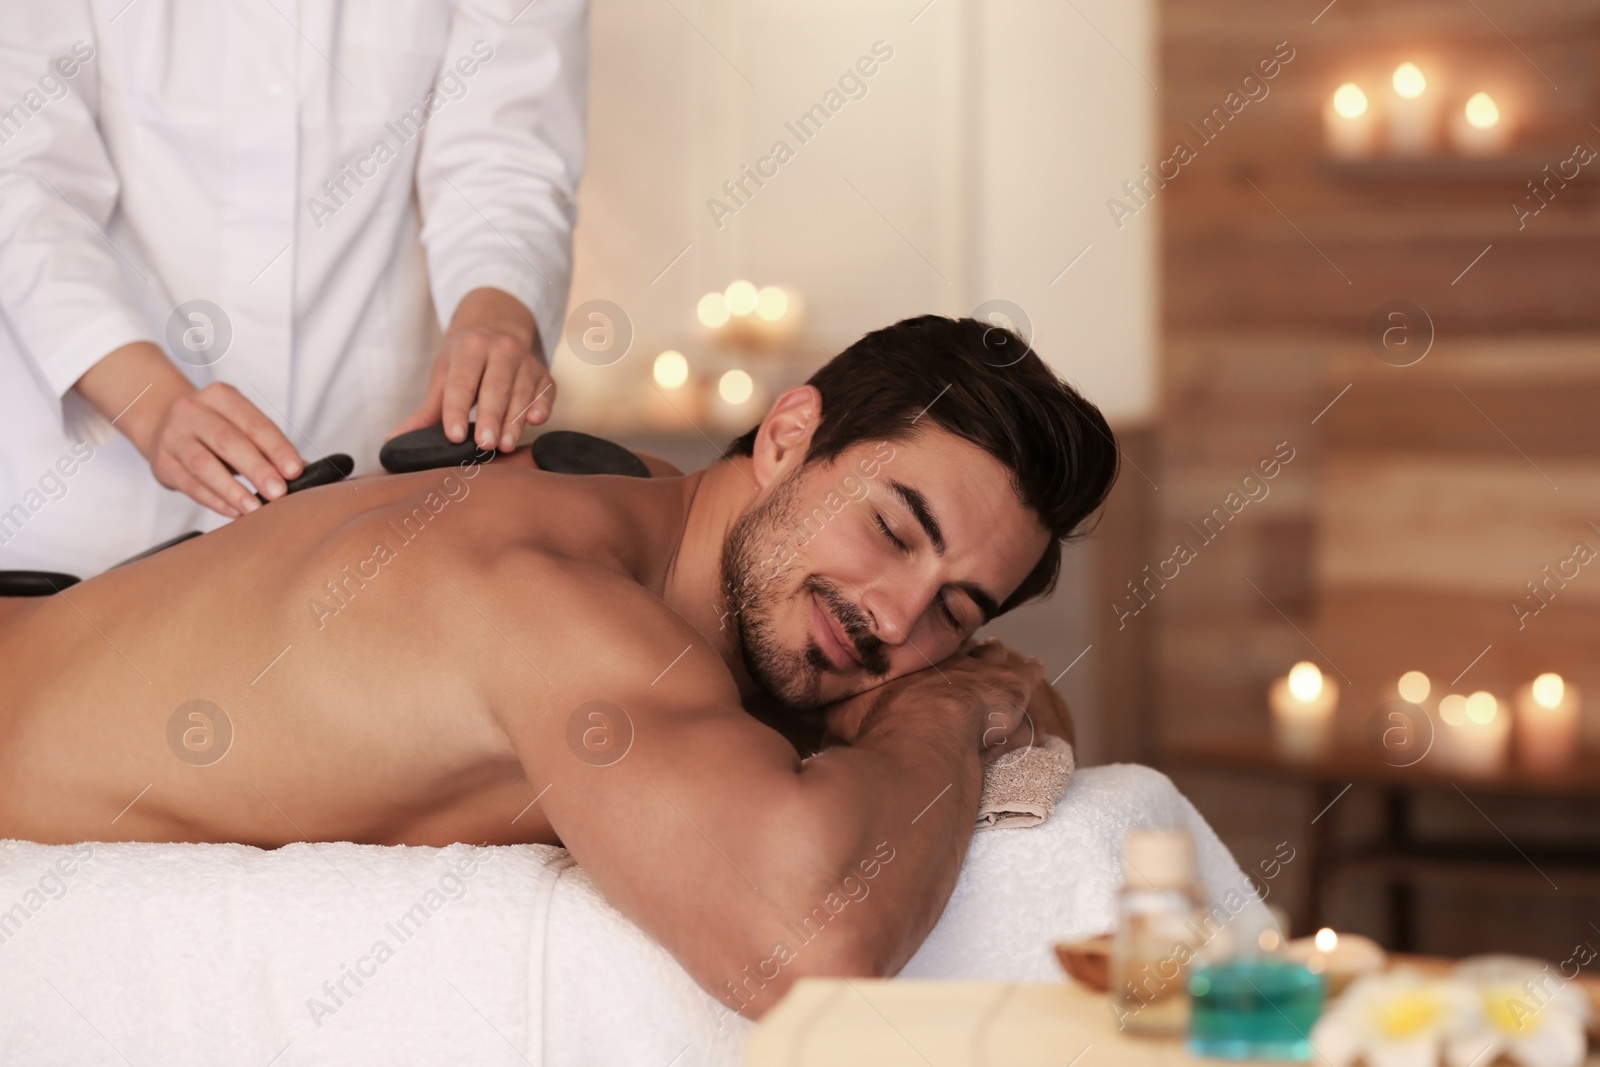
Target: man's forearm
874 834
911 780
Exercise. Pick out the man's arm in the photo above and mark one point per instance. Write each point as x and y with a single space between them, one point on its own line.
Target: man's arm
704 827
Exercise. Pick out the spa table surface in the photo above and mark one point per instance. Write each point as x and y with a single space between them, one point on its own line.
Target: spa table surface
825 1022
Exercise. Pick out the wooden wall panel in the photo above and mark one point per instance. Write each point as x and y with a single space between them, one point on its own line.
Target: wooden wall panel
1413 511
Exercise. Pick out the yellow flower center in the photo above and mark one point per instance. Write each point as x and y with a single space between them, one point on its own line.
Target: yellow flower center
1407 1013
1510 1011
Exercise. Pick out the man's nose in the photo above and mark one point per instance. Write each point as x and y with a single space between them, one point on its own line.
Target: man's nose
896 605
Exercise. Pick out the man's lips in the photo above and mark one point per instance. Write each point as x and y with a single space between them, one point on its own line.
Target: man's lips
835 645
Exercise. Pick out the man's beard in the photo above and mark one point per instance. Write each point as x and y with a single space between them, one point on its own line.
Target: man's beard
752 586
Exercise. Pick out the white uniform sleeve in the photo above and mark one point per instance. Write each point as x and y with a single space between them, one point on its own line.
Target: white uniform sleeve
62 289
498 170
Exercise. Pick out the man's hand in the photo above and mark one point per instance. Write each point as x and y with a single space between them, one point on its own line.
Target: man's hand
491 355
194 439
989 687
1046 713
1047 709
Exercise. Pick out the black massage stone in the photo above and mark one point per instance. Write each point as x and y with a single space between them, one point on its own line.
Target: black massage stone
325 471
34 583
570 452
427 448
180 539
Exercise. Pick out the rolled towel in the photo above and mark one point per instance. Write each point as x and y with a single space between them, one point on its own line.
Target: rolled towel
1020 789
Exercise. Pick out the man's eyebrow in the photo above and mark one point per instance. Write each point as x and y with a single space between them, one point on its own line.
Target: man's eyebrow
917 504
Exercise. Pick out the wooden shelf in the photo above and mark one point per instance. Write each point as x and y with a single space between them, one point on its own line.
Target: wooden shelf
1457 170
1581 779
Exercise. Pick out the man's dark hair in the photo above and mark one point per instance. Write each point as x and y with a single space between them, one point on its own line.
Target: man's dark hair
984 383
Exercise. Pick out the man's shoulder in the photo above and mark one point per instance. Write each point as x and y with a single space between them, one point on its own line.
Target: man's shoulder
599 631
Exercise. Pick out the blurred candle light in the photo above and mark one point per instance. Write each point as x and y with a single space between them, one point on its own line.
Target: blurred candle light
1481 111
1414 687
771 303
735 387
1413 112
1302 705
713 310
741 297
1408 80
1339 958
1547 723
671 370
1348 127
1476 741
1479 129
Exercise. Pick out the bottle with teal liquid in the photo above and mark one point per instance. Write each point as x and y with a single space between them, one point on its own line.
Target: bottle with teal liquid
1249 1002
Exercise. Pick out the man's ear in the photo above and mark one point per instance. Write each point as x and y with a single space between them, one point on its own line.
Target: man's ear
784 439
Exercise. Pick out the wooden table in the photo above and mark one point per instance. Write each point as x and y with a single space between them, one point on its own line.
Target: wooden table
860 1022
1399 855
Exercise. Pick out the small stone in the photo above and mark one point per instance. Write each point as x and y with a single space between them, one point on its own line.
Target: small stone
427 448
325 471
570 452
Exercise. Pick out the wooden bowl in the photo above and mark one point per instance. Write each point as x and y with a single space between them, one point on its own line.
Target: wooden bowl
1088 962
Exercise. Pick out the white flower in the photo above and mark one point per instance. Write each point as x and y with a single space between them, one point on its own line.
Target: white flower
1398 1019
1521 1008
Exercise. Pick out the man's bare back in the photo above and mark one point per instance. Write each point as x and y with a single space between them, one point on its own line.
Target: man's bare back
429 658
359 641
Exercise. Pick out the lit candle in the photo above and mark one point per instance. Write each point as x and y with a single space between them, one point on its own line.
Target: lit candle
1339 958
1476 732
742 297
1547 723
670 369
1413 112
1478 128
678 400
1414 687
712 311
1348 127
1302 711
738 400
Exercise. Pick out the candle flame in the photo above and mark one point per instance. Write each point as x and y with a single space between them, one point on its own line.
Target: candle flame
671 370
1481 707
1305 681
772 303
1349 101
735 386
741 296
1326 939
1408 80
1482 112
1414 686
1549 689
712 310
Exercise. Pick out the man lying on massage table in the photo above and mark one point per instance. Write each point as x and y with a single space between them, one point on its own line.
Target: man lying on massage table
494 653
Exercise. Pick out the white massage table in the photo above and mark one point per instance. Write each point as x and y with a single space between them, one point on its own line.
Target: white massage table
225 954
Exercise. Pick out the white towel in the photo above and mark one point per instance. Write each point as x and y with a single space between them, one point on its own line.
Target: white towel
226 954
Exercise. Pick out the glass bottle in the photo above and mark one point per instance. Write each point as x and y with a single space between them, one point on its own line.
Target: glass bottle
1157 934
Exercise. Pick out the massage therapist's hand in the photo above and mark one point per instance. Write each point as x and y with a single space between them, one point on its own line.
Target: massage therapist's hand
192 437
983 692
491 355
